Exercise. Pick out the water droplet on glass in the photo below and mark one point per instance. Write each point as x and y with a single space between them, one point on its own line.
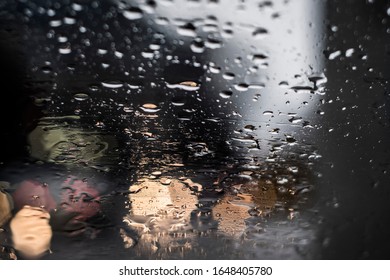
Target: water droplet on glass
260 33
178 102
215 69
228 76
150 108
102 51
133 13
188 30
187 85
295 120
213 43
349 52
226 94
241 87
334 55
55 23
283 84
197 46
69 20
77 7
259 58
112 84
147 54
62 39
65 50
118 54
249 127
80 96
162 21
268 113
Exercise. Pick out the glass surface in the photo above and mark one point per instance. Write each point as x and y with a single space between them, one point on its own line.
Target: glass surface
197 129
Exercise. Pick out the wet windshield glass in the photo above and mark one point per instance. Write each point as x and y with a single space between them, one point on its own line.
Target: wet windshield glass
195 129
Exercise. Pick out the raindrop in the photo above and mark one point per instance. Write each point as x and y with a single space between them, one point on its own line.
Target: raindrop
77 7
154 47
283 84
260 33
118 54
99 124
259 58
227 33
102 51
211 27
228 76
349 52
94 87
147 54
197 46
150 108
241 87
51 13
81 96
165 181
149 6
318 80
69 21
290 139
133 13
333 55
226 94
282 190
295 120
188 30
112 84
213 43
62 39
250 127
187 85
268 113
156 173
215 69
65 50
55 23
162 21
178 103
282 180
46 69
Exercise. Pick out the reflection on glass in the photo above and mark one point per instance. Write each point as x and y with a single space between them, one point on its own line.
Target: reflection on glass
208 118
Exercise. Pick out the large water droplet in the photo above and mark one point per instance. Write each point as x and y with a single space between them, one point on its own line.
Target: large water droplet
349 52
187 85
260 33
112 84
333 55
268 113
197 46
228 76
241 87
133 13
150 108
81 96
226 94
188 30
213 43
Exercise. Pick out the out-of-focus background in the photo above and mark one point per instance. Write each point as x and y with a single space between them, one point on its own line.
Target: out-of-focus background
210 129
